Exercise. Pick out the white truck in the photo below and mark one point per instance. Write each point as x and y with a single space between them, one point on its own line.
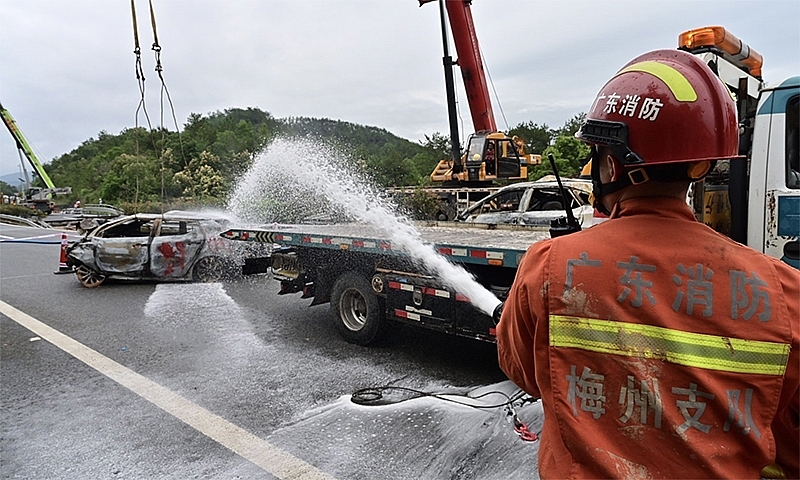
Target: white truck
755 201
371 282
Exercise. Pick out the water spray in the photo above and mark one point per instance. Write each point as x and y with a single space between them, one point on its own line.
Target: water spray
296 173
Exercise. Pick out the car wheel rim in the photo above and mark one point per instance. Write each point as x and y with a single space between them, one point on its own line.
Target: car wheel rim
353 309
208 270
88 277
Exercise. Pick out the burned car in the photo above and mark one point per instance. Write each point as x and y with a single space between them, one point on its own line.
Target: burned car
172 246
532 203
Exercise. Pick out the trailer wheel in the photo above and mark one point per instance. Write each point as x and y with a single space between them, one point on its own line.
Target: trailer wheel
356 309
88 277
208 270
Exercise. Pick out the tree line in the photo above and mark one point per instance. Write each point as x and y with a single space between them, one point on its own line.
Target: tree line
140 170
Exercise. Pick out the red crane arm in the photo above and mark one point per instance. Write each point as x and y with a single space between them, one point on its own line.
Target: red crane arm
469 60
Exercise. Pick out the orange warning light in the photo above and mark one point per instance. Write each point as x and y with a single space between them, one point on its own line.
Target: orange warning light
724 40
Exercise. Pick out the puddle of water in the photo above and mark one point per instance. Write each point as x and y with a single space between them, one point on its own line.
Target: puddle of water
297 177
179 302
419 438
203 313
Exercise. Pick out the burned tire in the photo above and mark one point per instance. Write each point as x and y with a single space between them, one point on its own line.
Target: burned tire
208 270
356 309
89 278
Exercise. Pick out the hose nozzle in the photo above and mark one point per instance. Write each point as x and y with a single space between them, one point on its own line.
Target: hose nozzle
498 312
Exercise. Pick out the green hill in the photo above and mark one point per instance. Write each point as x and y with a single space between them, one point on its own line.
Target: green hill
142 170
137 168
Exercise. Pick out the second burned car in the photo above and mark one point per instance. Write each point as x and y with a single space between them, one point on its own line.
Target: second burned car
532 203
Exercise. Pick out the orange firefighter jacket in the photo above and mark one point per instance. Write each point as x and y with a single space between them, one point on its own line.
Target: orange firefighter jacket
659 348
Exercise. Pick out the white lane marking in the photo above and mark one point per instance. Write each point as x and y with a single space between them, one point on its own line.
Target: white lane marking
28 276
272 459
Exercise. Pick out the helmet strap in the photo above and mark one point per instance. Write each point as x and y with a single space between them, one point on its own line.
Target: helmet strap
599 189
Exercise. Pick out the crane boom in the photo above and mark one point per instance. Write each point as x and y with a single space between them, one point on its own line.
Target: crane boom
471 64
23 145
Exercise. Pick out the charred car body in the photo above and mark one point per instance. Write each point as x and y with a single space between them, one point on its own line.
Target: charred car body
532 203
172 246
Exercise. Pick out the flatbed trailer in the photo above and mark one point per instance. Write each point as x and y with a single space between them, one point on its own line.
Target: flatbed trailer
372 283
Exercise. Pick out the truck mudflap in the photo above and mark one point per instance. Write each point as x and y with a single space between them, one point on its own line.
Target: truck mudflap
256 265
420 301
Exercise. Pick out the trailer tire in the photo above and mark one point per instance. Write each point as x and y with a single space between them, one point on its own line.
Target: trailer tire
357 312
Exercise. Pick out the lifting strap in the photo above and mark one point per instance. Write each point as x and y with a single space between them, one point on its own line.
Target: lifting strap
164 92
159 70
140 79
156 47
139 73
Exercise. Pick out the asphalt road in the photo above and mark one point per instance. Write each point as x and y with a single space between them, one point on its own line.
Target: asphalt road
229 380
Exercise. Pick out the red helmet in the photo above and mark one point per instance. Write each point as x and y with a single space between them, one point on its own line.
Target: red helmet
665 106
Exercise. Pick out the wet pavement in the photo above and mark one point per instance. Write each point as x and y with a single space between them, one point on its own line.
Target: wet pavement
268 368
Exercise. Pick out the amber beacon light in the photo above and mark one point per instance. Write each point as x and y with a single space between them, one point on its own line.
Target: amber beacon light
717 38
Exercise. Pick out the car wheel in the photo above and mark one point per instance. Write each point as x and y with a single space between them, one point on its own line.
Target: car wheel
89 278
356 309
208 270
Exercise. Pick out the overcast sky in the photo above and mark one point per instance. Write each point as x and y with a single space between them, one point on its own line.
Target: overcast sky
67 66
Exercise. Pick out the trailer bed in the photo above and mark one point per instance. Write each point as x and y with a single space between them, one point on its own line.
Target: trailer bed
477 244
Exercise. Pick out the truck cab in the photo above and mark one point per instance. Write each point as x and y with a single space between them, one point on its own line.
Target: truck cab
492 156
489 156
774 197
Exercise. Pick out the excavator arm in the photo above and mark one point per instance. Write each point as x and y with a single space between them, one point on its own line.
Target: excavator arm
38 198
23 145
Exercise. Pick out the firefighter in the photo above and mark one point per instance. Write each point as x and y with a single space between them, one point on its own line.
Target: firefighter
659 347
